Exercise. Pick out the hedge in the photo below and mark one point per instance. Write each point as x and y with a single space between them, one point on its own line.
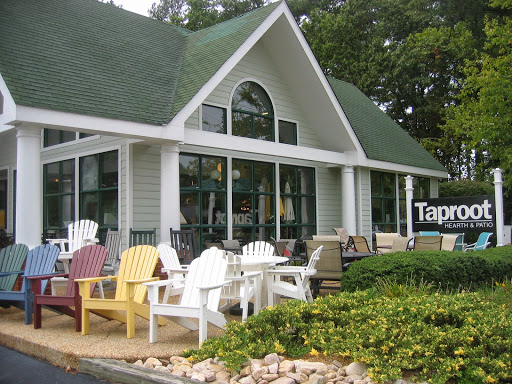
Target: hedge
448 270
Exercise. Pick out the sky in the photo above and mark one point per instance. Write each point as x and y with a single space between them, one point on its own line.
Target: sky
138 6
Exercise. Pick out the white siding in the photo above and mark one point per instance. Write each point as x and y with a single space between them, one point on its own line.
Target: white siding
329 199
146 187
258 66
364 202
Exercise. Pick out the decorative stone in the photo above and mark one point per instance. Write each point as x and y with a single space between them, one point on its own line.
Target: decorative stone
355 369
161 368
247 380
273 368
283 380
298 377
147 364
309 367
286 366
154 361
198 376
271 359
270 377
139 363
259 372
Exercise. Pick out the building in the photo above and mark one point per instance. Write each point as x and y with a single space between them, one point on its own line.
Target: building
232 130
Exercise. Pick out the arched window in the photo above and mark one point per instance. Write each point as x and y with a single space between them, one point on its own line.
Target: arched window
253 115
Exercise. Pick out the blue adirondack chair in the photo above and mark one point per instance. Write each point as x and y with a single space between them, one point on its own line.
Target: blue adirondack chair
12 258
482 242
40 261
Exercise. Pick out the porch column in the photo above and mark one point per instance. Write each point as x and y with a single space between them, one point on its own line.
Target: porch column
498 198
29 209
348 199
409 194
169 190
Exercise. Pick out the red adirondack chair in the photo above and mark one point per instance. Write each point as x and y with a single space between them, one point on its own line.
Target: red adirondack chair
87 262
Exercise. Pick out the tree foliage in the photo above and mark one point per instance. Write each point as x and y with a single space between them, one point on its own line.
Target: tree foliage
484 115
199 14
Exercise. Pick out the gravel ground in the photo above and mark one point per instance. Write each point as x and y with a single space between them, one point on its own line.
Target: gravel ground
57 342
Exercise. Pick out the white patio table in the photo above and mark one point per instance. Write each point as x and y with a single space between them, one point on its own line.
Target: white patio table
261 263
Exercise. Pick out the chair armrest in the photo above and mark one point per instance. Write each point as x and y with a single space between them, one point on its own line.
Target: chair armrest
2 274
47 276
184 269
95 279
469 246
215 286
140 281
161 283
90 241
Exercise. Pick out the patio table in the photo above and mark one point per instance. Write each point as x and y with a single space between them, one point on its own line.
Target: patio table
261 263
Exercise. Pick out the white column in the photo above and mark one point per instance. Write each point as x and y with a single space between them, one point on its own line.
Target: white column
348 199
498 199
29 219
409 194
169 190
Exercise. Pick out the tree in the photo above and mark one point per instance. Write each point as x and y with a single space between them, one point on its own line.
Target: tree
484 115
199 14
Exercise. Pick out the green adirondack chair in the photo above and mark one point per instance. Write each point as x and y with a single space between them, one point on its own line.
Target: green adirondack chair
39 261
12 258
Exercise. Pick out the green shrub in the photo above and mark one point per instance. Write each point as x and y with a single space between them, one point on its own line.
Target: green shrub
459 338
446 270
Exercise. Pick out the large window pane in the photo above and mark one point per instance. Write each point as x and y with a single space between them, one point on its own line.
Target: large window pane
252 112
109 177
242 124
89 173
263 128
189 203
287 132
58 195
298 202
214 208
214 119
189 171
53 178
251 97
109 206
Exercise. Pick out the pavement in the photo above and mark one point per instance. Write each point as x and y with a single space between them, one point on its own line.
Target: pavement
105 353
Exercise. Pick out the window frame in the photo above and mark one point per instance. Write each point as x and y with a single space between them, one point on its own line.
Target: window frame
212 105
297 227
271 116
76 194
79 136
295 131
200 190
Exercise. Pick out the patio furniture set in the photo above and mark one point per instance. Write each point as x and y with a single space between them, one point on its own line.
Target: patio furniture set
200 285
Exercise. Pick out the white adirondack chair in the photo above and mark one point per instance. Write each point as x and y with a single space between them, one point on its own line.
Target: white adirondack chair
300 290
243 286
171 264
200 299
258 248
80 234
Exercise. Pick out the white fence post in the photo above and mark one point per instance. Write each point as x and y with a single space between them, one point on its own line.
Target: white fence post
498 198
409 189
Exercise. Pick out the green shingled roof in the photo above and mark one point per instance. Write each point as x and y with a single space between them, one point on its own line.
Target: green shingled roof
86 57
381 138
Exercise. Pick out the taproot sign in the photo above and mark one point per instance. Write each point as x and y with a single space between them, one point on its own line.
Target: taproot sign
454 214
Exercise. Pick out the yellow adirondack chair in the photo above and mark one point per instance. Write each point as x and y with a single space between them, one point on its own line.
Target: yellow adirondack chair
137 266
